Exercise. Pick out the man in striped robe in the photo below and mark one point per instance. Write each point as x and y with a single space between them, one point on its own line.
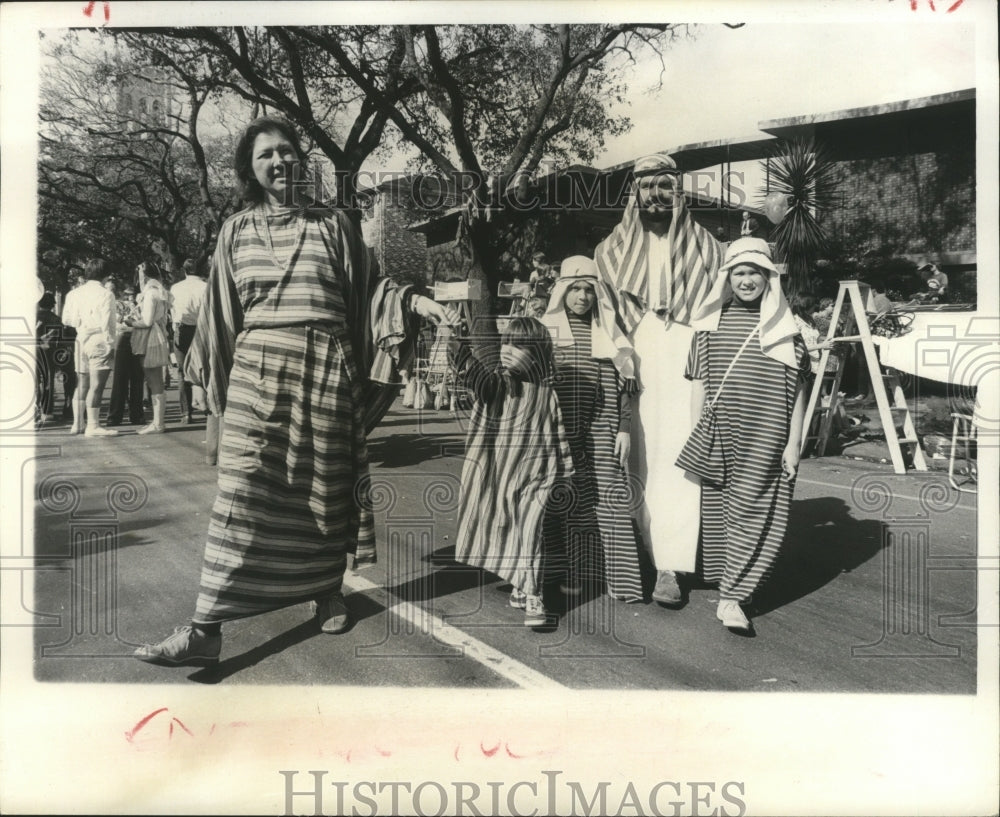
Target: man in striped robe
662 265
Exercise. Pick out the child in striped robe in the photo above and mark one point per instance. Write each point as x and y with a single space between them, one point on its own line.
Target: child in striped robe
517 457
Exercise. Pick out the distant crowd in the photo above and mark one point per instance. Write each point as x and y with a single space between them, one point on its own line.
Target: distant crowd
132 332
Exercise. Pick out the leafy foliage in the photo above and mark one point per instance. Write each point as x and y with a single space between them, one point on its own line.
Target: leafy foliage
118 183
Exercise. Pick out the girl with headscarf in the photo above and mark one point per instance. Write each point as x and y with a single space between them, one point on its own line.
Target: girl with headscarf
595 397
749 361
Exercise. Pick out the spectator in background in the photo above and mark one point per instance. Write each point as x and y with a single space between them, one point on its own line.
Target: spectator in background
803 312
536 307
822 316
66 349
127 381
48 332
541 278
935 280
90 309
149 339
185 302
880 301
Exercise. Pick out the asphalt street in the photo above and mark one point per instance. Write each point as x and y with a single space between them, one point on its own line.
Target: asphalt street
876 589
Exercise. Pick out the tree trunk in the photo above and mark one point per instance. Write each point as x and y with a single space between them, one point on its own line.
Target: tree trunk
484 268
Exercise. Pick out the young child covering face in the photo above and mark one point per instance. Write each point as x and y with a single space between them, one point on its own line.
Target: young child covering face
516 453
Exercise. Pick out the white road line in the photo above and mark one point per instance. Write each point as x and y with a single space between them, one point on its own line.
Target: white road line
895 493
432 625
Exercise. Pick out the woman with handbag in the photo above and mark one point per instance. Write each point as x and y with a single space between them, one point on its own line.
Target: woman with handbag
749 367
149 339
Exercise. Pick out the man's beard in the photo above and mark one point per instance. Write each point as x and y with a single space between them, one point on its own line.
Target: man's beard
658 216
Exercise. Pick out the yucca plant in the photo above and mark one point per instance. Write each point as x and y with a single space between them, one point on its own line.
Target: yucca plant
803 171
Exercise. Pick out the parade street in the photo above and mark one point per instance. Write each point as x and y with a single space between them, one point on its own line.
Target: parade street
876 589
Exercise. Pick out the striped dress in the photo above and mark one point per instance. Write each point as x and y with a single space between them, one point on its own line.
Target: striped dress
517 459
743 522
283 349
596 531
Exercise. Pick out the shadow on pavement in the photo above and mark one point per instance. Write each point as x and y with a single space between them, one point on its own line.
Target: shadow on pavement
823 541
402 450
359 605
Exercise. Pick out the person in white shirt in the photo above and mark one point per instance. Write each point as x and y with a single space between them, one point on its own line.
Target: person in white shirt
185 302
90 309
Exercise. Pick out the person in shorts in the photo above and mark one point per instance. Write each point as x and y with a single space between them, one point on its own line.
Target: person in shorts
90 309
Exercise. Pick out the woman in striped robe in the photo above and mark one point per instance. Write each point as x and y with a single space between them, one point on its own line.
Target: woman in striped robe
758 414
596 532
516 458
295 334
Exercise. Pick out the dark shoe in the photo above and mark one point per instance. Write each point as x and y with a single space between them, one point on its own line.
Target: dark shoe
332 613
113 422
185 647
667 591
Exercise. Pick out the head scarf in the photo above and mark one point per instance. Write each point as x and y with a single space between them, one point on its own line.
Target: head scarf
777 325
669 274
607 340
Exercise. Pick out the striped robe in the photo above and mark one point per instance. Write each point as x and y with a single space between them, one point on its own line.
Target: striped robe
596 531
294 336
517 460
743 521
660 281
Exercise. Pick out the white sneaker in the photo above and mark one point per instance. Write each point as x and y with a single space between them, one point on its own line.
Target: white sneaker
535 614
731 615
100 431
150 429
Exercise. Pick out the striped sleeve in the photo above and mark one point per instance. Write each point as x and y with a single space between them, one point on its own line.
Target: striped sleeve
697 355
220 320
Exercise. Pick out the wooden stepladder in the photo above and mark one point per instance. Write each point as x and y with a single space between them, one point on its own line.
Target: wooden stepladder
884 381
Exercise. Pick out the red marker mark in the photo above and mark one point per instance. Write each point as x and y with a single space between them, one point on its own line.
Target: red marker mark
456 751
89 10
511 754
135 729
915 4
383 752
489 752
181 725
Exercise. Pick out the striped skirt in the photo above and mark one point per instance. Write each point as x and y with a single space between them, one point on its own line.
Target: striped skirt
291 454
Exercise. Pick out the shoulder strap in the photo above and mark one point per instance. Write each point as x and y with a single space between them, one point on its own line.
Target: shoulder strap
732 363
